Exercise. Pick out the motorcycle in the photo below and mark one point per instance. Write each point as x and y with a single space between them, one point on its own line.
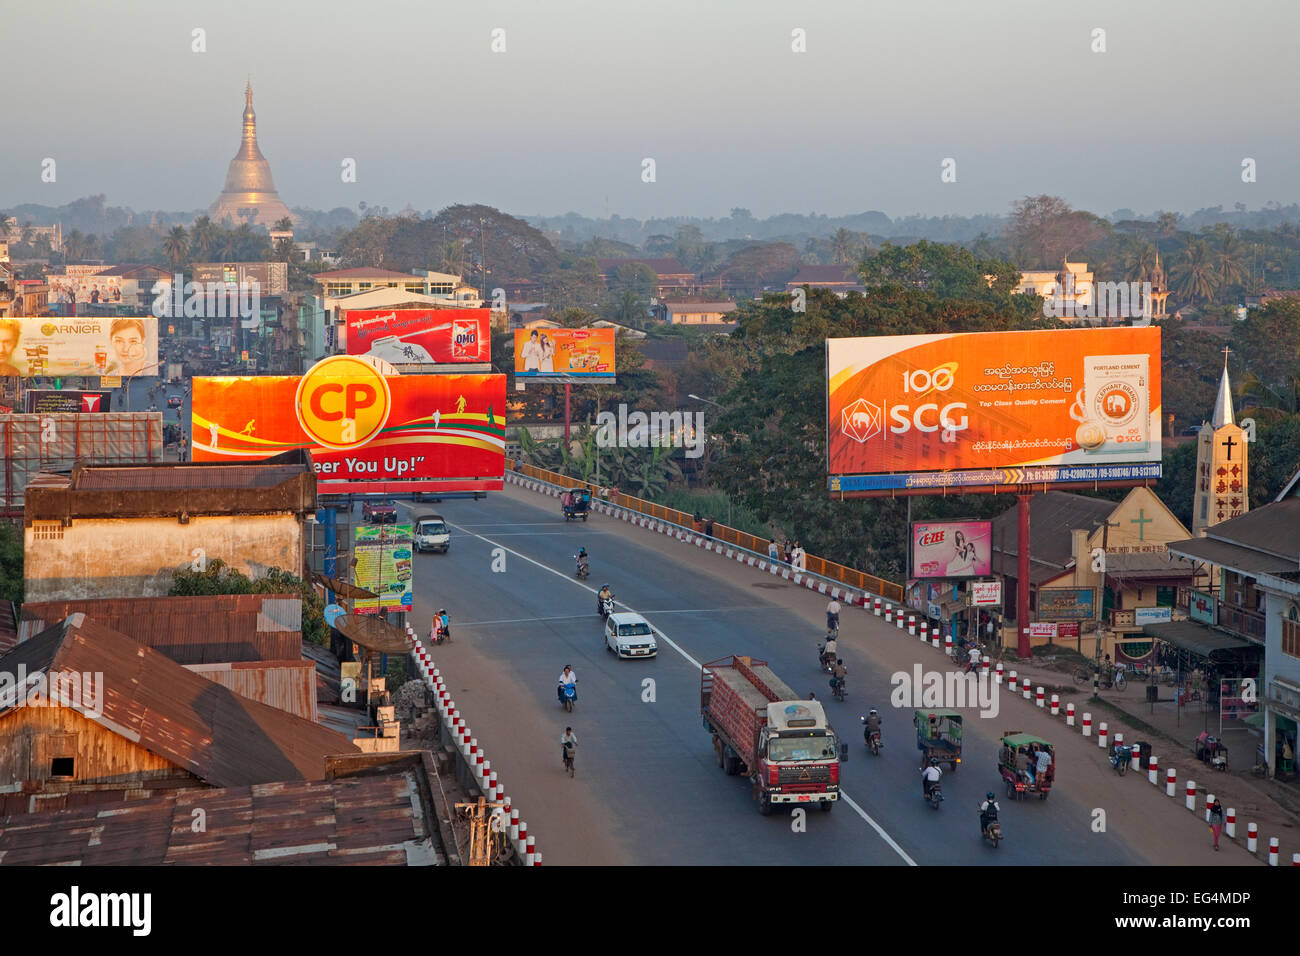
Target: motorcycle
1211 751
581 572
871 739
838 688
605 606
824 659
1120 758
568 695
993 832
934 797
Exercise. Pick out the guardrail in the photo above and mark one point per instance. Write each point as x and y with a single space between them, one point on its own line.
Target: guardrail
819 567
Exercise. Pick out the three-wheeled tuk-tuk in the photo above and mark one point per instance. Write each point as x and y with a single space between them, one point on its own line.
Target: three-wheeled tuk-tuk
938 736
576 504
1027 765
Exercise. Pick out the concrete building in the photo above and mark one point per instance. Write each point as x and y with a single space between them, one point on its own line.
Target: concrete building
1256 607
114 532
672 277
841 279
698 313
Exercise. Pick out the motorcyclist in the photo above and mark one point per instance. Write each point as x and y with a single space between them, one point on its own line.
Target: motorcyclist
838 671
988 812
605 593
830 649
873 724
930 777
581 558
567 678
567 739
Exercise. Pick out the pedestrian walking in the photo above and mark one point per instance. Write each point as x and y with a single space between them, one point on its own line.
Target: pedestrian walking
708 528
788 553
773 553
1216 820
800 557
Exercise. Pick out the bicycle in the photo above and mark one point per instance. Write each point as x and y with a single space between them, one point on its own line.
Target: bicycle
568 758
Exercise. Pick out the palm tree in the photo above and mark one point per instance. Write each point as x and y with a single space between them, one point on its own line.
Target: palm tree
176 247
74 246
1284 398
203 237
627 310
1139 260
1167 223
1195 278
842 247
1231 272
284 224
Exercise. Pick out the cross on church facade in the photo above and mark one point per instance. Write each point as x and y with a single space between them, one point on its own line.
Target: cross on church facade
1228 443
1141 521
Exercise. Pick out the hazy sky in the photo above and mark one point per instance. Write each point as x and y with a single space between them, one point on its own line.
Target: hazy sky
709 89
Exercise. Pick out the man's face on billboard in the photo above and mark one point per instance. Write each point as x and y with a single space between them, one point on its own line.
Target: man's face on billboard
8 342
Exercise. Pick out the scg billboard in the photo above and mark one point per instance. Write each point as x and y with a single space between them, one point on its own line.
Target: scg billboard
367 432
993 408
413 336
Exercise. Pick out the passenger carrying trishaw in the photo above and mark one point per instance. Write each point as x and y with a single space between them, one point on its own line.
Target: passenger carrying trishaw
1018 765
576 504
938 736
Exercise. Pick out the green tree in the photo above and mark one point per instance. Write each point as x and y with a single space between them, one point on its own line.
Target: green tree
1194 276
1267 343
177 247
203 237
1044 230
218 578
11 563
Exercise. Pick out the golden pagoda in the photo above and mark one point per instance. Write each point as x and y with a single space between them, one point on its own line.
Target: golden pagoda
249 191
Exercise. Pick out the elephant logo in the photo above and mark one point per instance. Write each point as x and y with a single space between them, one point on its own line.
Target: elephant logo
861 420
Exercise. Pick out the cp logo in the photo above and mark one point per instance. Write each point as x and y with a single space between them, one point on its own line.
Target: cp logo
342 402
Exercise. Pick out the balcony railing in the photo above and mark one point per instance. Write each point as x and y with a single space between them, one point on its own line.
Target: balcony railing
1244 622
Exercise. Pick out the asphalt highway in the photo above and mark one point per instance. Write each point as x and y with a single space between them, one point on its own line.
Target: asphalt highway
648 788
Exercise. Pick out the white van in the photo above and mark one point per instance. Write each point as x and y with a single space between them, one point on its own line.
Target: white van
431 534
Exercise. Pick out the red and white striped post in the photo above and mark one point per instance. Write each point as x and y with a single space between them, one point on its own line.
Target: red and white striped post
998 676
911 624
1295 859
1069 715
514 824
877 604
889 614
935 642
1191 795
925 633
1117 741
1230 823
1171 782
947 645
1209 802
1056 705
1272 851
1135 759
537 859
1087 725
1101 735
1011 682
1025 688
523 838
898 619
1252 837
530 852
987 667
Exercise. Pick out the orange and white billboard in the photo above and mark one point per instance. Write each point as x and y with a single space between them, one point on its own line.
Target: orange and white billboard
367 432
990 408
564 355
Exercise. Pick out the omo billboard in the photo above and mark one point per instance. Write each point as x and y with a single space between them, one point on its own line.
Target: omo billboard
413 336
952 549
78 346
988 408
564 355
367 432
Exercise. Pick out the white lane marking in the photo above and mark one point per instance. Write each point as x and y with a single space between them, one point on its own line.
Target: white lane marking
667 640
580 617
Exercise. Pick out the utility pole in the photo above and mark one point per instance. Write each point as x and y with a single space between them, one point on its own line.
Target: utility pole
481 827
1101 602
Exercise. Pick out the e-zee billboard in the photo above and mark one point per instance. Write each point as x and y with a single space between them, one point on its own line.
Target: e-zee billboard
383 554
991 408
564 355
41 401
78 346
952 549
367 432
414 336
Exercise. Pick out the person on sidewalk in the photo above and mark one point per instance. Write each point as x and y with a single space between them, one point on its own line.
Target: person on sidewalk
1216 821
773 553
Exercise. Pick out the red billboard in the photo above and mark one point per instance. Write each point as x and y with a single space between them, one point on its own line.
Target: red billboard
367 432
420 336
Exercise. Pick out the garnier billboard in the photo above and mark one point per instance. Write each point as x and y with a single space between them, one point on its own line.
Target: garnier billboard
983 408
367 432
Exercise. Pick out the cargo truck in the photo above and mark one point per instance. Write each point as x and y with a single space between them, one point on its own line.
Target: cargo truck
763 730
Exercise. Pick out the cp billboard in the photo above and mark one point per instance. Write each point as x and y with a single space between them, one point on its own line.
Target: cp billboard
78 346
981 408
952 549
411 336
367 432
564 355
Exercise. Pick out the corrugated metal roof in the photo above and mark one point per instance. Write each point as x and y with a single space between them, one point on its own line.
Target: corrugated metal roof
1052 516
1273 530
1194 637
1234 557
379 820
199 726
173 476
210 629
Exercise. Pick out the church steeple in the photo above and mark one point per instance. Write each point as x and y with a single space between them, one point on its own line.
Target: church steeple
249 192
1223 404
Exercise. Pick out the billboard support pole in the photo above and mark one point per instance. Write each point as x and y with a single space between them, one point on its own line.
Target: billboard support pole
1022 573
566 414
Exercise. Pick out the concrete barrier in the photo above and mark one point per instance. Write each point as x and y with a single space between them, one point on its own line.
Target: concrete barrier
1252 837
1230 823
